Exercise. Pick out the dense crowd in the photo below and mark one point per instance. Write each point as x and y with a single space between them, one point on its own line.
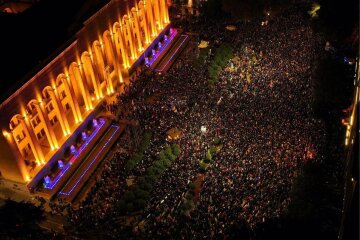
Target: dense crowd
261 110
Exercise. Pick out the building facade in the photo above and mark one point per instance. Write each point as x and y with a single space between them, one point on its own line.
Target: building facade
43 113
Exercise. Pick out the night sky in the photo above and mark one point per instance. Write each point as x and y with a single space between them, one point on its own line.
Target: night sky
28 40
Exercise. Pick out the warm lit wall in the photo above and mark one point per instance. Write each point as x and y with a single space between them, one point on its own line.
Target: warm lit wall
66 90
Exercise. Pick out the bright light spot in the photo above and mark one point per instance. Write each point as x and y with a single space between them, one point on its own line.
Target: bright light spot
203 129
314 8
5 133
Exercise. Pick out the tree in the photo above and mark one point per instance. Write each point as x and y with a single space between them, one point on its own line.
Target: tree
176 149
208 156
20 220
217 140
129 196
203 166
166 162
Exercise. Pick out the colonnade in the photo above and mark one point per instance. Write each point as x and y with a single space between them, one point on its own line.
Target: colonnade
97 73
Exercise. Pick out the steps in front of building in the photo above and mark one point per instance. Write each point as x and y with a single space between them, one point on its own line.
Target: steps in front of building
81 175
170 57
50 193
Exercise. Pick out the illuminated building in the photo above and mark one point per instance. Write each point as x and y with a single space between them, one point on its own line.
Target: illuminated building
38 118
14 7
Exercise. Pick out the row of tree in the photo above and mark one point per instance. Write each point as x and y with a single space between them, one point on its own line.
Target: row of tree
188 202
222 55
138 195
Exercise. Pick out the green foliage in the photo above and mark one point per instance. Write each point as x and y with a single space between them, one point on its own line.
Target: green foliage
130 165
217 140
166 163
222 55
152 171
130 207
176 149
145 186
212 82
168 150
140 204
145 142
121 206
208 156
159 164
213 150
139 193
150 178
135 199
129 196
162 155
203 166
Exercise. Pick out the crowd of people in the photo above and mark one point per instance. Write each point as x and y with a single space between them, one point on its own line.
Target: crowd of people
261 110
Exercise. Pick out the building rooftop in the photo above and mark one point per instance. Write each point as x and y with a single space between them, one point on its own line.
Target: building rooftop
28 43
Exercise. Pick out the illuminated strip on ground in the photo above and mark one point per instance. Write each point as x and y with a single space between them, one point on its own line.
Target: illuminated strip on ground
153 59
52 184
91 163
177 49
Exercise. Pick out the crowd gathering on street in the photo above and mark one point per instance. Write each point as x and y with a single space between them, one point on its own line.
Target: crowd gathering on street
260 108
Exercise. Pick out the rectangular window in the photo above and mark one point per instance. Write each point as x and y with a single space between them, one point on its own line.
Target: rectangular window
53 121
40 134
49 108
34 123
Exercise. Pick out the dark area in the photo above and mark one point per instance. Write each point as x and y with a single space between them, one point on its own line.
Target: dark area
20 221
30 37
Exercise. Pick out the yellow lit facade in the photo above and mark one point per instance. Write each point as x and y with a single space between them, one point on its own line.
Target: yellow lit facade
41 115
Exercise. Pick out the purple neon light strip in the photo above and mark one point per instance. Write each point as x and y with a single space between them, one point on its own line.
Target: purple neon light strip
177 49
52 184
153 59
91 163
